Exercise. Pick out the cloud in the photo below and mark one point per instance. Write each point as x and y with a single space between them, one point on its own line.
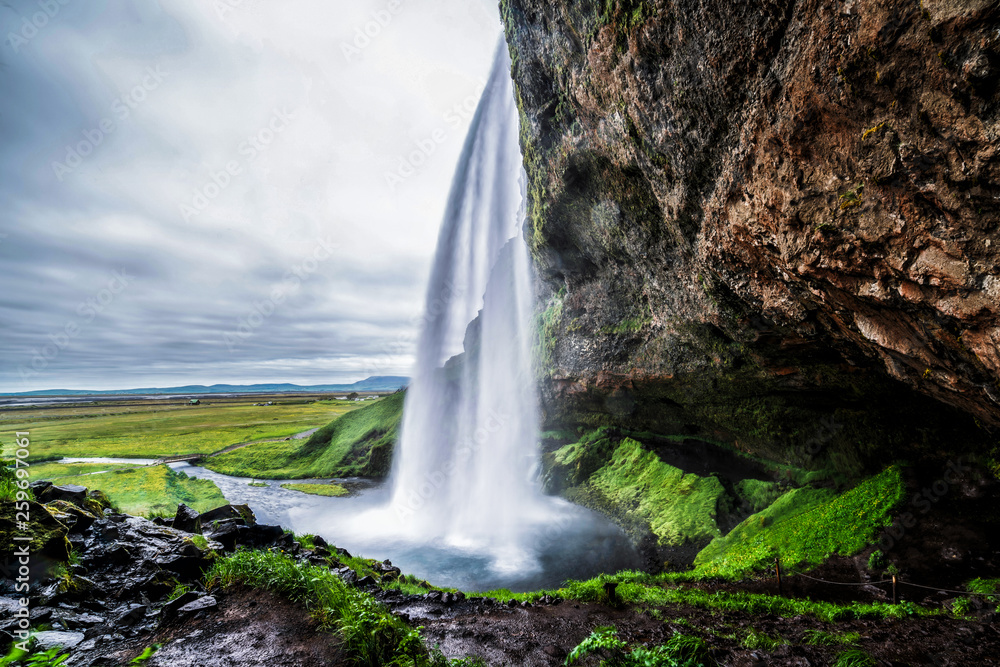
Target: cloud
230 165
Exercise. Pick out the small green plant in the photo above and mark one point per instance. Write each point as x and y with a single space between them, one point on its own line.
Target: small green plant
852 197
200 541
854 657
961 606
679 651
31 658
876 561
146 654
179 590
761 641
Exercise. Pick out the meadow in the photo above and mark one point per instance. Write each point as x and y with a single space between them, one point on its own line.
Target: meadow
158 428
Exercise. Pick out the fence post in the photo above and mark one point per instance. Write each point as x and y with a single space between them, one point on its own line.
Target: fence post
777 573
894 597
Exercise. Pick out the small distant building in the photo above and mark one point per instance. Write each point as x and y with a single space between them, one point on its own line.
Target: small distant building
194 401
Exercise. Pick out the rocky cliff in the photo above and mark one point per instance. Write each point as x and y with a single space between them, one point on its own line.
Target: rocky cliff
771 222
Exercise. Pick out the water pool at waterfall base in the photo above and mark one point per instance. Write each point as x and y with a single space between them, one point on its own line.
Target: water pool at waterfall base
565 542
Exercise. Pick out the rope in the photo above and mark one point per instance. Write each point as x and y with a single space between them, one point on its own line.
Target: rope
899 582
842 583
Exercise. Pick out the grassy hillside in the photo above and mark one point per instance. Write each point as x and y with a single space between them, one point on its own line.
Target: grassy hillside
357 444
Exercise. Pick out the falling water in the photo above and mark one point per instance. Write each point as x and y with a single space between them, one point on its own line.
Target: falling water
465 464
464 507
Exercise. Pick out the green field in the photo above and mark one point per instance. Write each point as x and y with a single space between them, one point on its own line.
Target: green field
151 490
151 429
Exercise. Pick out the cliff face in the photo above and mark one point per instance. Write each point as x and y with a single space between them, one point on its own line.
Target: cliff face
751 216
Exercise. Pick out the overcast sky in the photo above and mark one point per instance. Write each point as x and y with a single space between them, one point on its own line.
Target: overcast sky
203 191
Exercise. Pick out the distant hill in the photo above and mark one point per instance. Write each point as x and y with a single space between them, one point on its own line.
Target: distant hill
374 383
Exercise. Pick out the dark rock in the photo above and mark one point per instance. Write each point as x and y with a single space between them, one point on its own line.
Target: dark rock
47 640
366 582
434 596
512 602
170 609
201 604
260 535
320 542
554 651
240 512
70 493
132 615
187 519
186 567
343 553
39 487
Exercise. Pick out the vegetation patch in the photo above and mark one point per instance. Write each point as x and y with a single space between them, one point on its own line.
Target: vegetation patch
54 470
679 507
804 528
359 443
335 490
679 651
153 490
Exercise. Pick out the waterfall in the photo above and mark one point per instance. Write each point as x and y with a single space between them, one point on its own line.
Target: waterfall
465 465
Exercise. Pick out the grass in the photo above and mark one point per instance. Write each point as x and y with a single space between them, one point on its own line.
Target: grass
369 633
151 490
678 651
54 470
823 638
656 590
761 641
153 429
678 507
357 443
335 490
854 657
804 528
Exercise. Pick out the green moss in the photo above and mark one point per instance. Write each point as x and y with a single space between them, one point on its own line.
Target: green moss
318 489
758 494
805 527
678 507
549 322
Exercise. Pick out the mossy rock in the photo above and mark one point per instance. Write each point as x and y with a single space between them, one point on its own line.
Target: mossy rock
73 517
48 544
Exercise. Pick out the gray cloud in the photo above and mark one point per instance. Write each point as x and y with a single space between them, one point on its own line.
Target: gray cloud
231 171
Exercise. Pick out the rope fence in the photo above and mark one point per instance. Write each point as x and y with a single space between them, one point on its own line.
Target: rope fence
895 581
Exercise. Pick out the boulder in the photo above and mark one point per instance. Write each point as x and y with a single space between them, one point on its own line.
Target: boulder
187 519
76 518
201 604
242 512
69 492
52 639
48 537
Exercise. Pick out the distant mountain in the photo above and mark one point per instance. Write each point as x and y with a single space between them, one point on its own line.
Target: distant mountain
374 383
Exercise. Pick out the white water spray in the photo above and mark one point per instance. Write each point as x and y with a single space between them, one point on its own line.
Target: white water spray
465 465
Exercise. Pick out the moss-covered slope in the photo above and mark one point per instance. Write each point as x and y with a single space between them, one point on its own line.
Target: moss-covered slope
358 443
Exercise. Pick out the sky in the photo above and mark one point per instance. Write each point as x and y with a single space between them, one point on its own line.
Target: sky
225 191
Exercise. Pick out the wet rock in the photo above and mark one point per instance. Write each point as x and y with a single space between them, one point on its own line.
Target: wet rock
366 582
187 519
70 493
434 596
187 567
320 542
227 532
264 536
51 639
171 608
132 615
48 537
348 576
242 513
201 604
512 602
